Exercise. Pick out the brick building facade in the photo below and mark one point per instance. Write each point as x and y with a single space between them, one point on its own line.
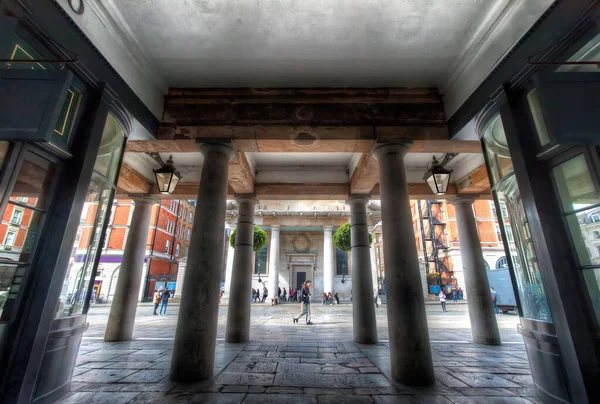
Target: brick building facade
168 242
439 219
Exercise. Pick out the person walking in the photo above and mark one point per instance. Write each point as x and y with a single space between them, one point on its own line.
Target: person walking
292 295
284 296
454 295
265 294
156 301
494 298
278 292
337 298
305 296
442 296
164 297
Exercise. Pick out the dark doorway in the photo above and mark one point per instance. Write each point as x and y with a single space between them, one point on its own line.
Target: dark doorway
300 279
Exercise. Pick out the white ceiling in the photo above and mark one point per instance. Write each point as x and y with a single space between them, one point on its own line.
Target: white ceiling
450 44
308 43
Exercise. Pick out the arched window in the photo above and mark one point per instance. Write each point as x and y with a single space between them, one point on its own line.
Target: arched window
502 263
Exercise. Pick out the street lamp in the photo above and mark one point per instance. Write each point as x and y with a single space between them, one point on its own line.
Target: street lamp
437 177
167 177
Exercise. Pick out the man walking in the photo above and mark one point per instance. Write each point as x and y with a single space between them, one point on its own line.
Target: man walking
164 302
494 296
265 294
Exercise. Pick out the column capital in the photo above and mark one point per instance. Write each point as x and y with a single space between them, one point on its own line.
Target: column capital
225 148
358 198
140 198
462 200
327 227
275 227
379 149
246 198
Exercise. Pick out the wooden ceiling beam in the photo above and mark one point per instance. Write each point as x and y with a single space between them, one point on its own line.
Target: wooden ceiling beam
365 175
131 182
474 182
334 192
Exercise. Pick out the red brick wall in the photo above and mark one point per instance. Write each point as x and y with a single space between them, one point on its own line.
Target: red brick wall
117 238
121 216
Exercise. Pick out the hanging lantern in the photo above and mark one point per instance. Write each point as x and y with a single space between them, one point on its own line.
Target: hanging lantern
167 177
437 177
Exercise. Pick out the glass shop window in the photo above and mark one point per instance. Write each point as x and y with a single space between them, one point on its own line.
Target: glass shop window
78 282
581 209
260 262
589 52
21 226
513 220
524 259
498 155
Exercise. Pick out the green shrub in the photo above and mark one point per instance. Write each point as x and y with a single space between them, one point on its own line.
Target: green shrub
342 238
260 239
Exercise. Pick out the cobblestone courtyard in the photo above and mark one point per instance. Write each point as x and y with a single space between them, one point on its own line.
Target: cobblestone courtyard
289 363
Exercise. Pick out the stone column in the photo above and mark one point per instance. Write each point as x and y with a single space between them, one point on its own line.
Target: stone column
373 263
238 314
328 259
196 332
363 306
124 304
273 261
407 321
484 328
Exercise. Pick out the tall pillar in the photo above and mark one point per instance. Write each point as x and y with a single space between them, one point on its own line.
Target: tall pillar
196 332
363 306
328 259
274 261
238 314
373 264
484 327
407 321
124 304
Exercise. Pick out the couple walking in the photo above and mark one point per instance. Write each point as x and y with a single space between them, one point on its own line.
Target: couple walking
305 298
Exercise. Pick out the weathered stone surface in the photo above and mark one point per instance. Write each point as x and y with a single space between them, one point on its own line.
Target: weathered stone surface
335 381
146 376
337 399
214 398
98 398
280 398
103 375
256 379
397 399
483 380
284 390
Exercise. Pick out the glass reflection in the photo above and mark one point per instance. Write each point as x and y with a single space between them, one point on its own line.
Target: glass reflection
79 272
534 303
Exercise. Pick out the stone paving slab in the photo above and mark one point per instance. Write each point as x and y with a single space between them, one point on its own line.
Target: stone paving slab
289 364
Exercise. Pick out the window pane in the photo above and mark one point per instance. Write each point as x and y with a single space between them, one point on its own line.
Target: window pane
590 52
84 251
11 277
574 184
500 163
592 280
585 233
525 265
18 236
260 263
33 182
107 162
341 262
538 118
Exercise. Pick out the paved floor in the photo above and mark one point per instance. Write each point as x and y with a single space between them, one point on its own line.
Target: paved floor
288 363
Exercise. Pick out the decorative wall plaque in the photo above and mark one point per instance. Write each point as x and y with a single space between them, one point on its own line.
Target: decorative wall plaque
301 243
